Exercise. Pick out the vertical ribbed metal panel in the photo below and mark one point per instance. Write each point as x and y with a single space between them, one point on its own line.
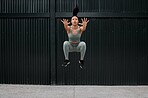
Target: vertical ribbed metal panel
103 5
0 49
116 53
116 48
25 50
24 6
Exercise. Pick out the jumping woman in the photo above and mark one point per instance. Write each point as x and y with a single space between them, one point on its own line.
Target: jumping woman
74 34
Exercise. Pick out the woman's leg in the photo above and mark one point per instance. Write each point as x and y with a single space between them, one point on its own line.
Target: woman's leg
66 49
82 49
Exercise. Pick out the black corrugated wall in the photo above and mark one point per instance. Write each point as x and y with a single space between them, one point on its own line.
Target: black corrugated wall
32 36
24 42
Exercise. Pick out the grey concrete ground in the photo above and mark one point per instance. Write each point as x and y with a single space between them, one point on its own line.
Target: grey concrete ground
47 91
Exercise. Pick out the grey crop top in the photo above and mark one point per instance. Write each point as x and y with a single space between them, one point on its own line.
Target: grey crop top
73 37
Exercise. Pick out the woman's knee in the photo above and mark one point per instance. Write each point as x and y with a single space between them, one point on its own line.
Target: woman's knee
83 44
66 43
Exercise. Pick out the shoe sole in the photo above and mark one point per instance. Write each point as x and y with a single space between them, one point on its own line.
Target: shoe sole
66 64
80 65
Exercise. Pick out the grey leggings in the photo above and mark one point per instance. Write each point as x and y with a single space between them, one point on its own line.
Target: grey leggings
68 47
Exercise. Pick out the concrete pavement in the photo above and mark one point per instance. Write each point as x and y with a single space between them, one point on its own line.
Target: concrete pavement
48 91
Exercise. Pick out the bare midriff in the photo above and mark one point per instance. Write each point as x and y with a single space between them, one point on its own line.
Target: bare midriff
74 42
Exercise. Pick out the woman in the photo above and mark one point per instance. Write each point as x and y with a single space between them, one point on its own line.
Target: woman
74 33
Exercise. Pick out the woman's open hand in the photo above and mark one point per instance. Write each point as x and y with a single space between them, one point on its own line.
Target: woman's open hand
84 22
65 22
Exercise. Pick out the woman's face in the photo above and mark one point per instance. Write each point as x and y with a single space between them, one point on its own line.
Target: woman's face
74 20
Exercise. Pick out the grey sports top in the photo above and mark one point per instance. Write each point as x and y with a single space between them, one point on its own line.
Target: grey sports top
74 37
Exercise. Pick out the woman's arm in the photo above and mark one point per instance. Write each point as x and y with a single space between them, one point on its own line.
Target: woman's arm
65 22
84 25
